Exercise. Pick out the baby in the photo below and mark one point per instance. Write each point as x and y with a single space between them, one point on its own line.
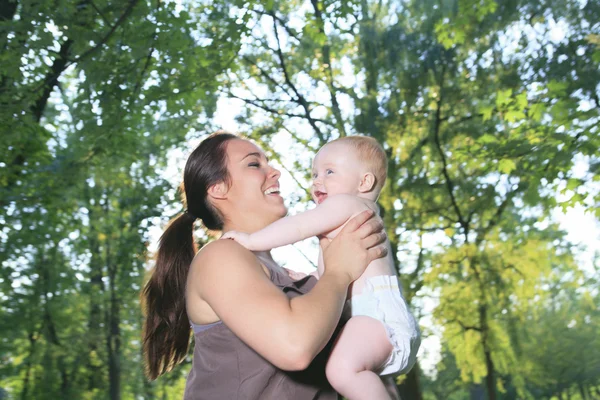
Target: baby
382 336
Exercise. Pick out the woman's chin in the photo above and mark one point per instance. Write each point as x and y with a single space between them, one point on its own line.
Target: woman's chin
279 212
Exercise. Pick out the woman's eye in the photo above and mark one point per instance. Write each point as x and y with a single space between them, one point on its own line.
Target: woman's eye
254 164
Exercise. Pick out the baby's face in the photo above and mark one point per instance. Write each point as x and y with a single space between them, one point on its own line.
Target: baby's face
336 170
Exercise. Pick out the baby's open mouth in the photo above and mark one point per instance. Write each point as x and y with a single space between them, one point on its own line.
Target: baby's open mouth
320 196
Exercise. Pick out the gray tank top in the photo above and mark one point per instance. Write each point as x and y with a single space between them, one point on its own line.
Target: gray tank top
224 367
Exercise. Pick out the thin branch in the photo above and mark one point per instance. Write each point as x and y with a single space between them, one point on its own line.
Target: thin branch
465 327
418 147
281 21
100 12
349 92
436 135
267 76
255 103
422 229
329 74
300 140
102 41
148 59
301 100
55 74
498 214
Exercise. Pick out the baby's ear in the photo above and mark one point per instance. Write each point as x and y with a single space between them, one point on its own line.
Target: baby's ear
367 183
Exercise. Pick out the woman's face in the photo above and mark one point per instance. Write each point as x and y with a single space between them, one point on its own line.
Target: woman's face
252 200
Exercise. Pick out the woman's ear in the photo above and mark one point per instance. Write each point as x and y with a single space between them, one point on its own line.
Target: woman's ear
218 191
367 183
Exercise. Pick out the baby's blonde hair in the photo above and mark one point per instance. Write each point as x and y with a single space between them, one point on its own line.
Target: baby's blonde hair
371 154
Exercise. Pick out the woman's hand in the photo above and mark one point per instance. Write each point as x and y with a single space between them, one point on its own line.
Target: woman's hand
361 241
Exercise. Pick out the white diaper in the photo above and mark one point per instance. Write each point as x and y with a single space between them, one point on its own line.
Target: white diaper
382 299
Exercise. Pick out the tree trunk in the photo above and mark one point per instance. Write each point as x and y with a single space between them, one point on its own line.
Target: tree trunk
476 392
96 290
114 334
8 8
32 342
65 382
490 381
410 388
582 392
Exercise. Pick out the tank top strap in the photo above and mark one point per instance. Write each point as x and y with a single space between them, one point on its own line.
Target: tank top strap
282 280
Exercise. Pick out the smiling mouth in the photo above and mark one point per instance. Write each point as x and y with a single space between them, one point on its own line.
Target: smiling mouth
320 196
272 191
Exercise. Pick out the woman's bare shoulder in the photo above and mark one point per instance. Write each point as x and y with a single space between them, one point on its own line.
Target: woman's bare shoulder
224 265
224 258
222 251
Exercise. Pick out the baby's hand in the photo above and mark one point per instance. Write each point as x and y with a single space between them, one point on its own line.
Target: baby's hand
240 237
295 275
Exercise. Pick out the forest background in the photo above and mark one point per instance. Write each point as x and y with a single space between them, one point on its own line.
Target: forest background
488 111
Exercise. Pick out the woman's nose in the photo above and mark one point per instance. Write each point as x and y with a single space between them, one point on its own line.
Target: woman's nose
275 173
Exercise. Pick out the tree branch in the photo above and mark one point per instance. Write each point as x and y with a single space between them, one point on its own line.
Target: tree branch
112 30
281 21
436 135
465 327
329 71
54 74
255 102
267 76
301 100
498 214
58 66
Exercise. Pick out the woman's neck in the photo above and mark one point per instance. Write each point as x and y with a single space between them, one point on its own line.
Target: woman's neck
248 228
247 223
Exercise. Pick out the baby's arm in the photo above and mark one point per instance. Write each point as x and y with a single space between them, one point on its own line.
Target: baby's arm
324 218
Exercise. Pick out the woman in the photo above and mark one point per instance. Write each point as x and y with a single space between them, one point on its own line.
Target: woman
258 333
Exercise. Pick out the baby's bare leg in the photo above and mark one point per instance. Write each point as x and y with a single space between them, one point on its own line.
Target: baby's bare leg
361 347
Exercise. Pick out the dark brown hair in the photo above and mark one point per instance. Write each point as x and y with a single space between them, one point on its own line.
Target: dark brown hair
166 327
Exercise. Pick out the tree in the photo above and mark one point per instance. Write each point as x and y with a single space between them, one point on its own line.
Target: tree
93 96
478 136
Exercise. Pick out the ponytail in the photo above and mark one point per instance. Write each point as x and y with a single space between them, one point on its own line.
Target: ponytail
166 333
167 328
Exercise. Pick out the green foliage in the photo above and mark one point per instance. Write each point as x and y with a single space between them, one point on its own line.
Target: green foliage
482 118
481 110
94 95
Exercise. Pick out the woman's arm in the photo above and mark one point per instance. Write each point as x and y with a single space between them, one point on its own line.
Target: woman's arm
289 333
324 218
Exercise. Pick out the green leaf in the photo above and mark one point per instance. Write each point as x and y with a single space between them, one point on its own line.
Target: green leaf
573 183
487 112
514 115
522 100
556 88
536 111
487 138
503 97
506 165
